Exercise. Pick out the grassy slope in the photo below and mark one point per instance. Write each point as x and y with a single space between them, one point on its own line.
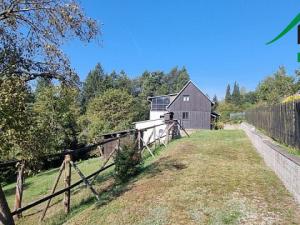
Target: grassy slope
40 185
214 177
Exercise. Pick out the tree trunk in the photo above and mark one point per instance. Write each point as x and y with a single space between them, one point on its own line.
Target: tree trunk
5 215
19 189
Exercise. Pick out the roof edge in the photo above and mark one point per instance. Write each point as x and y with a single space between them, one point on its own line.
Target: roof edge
190 81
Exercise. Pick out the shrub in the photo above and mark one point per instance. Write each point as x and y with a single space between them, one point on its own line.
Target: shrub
218 126
128 163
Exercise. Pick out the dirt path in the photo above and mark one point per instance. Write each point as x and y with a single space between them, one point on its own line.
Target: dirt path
214 177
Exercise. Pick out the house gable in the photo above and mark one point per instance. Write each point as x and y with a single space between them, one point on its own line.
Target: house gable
197 100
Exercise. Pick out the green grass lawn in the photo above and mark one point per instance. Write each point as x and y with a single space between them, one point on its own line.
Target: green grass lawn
213 177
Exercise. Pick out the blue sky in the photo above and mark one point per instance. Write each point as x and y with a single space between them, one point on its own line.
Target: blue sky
219 41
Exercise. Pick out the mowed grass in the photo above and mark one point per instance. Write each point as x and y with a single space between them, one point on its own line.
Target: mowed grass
40 185
213 177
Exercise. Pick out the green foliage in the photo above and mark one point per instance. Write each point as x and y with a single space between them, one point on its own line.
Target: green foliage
93 85
128 163
33 33
216 103
111 111
292 98
226 108
228 94
236 95
15 118
56 114
218 125
272 89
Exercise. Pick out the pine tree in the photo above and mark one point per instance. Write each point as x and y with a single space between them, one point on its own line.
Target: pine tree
216 102
93 85
228 94
236 95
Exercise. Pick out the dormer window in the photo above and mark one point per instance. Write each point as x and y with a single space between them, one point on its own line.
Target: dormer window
186 98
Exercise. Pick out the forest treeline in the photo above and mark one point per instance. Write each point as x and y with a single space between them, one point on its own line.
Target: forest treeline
276 88
45 117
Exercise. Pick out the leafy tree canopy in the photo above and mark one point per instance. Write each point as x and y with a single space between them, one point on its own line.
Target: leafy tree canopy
32 33
111 111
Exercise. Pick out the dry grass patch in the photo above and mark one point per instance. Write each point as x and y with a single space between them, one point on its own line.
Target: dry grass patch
214 177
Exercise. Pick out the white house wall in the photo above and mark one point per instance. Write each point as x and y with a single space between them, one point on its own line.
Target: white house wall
149 123
154 115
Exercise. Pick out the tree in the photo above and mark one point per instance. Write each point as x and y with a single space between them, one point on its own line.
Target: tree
111 111
216 102
15 118
56 114
123 82
228 94
183 78
93 85
32 33
42 83
236 95
272 89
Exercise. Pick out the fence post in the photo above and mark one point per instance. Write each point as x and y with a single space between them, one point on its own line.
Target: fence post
67 196
139 139
168 133
5 215
19 188
154 134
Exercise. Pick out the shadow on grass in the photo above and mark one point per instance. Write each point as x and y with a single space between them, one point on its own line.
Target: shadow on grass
161 165
12 190
114 190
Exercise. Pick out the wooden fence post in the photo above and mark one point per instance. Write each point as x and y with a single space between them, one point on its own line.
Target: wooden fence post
139 139
5 215
19 188
154 134
67 196
168 134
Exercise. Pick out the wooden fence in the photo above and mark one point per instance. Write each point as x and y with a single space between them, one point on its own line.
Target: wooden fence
281 122
170 131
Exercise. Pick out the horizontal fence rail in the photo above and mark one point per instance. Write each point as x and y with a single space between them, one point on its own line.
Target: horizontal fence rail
113 143
281 122
37 202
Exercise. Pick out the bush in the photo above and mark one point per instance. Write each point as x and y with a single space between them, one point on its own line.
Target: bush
218 126
128 163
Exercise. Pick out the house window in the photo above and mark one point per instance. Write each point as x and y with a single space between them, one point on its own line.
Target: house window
185 115
186 98
160 103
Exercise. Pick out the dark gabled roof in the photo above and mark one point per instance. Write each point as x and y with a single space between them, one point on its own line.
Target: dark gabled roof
187 84
162 96
151 97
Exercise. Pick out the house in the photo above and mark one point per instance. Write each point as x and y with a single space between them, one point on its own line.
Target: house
190 107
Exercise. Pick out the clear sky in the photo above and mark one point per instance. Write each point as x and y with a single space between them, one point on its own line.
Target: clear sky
218 41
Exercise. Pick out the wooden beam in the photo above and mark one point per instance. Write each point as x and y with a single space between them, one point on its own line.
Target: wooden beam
67 197
105 162
53 190
182 128
37 202
85 180
149 150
